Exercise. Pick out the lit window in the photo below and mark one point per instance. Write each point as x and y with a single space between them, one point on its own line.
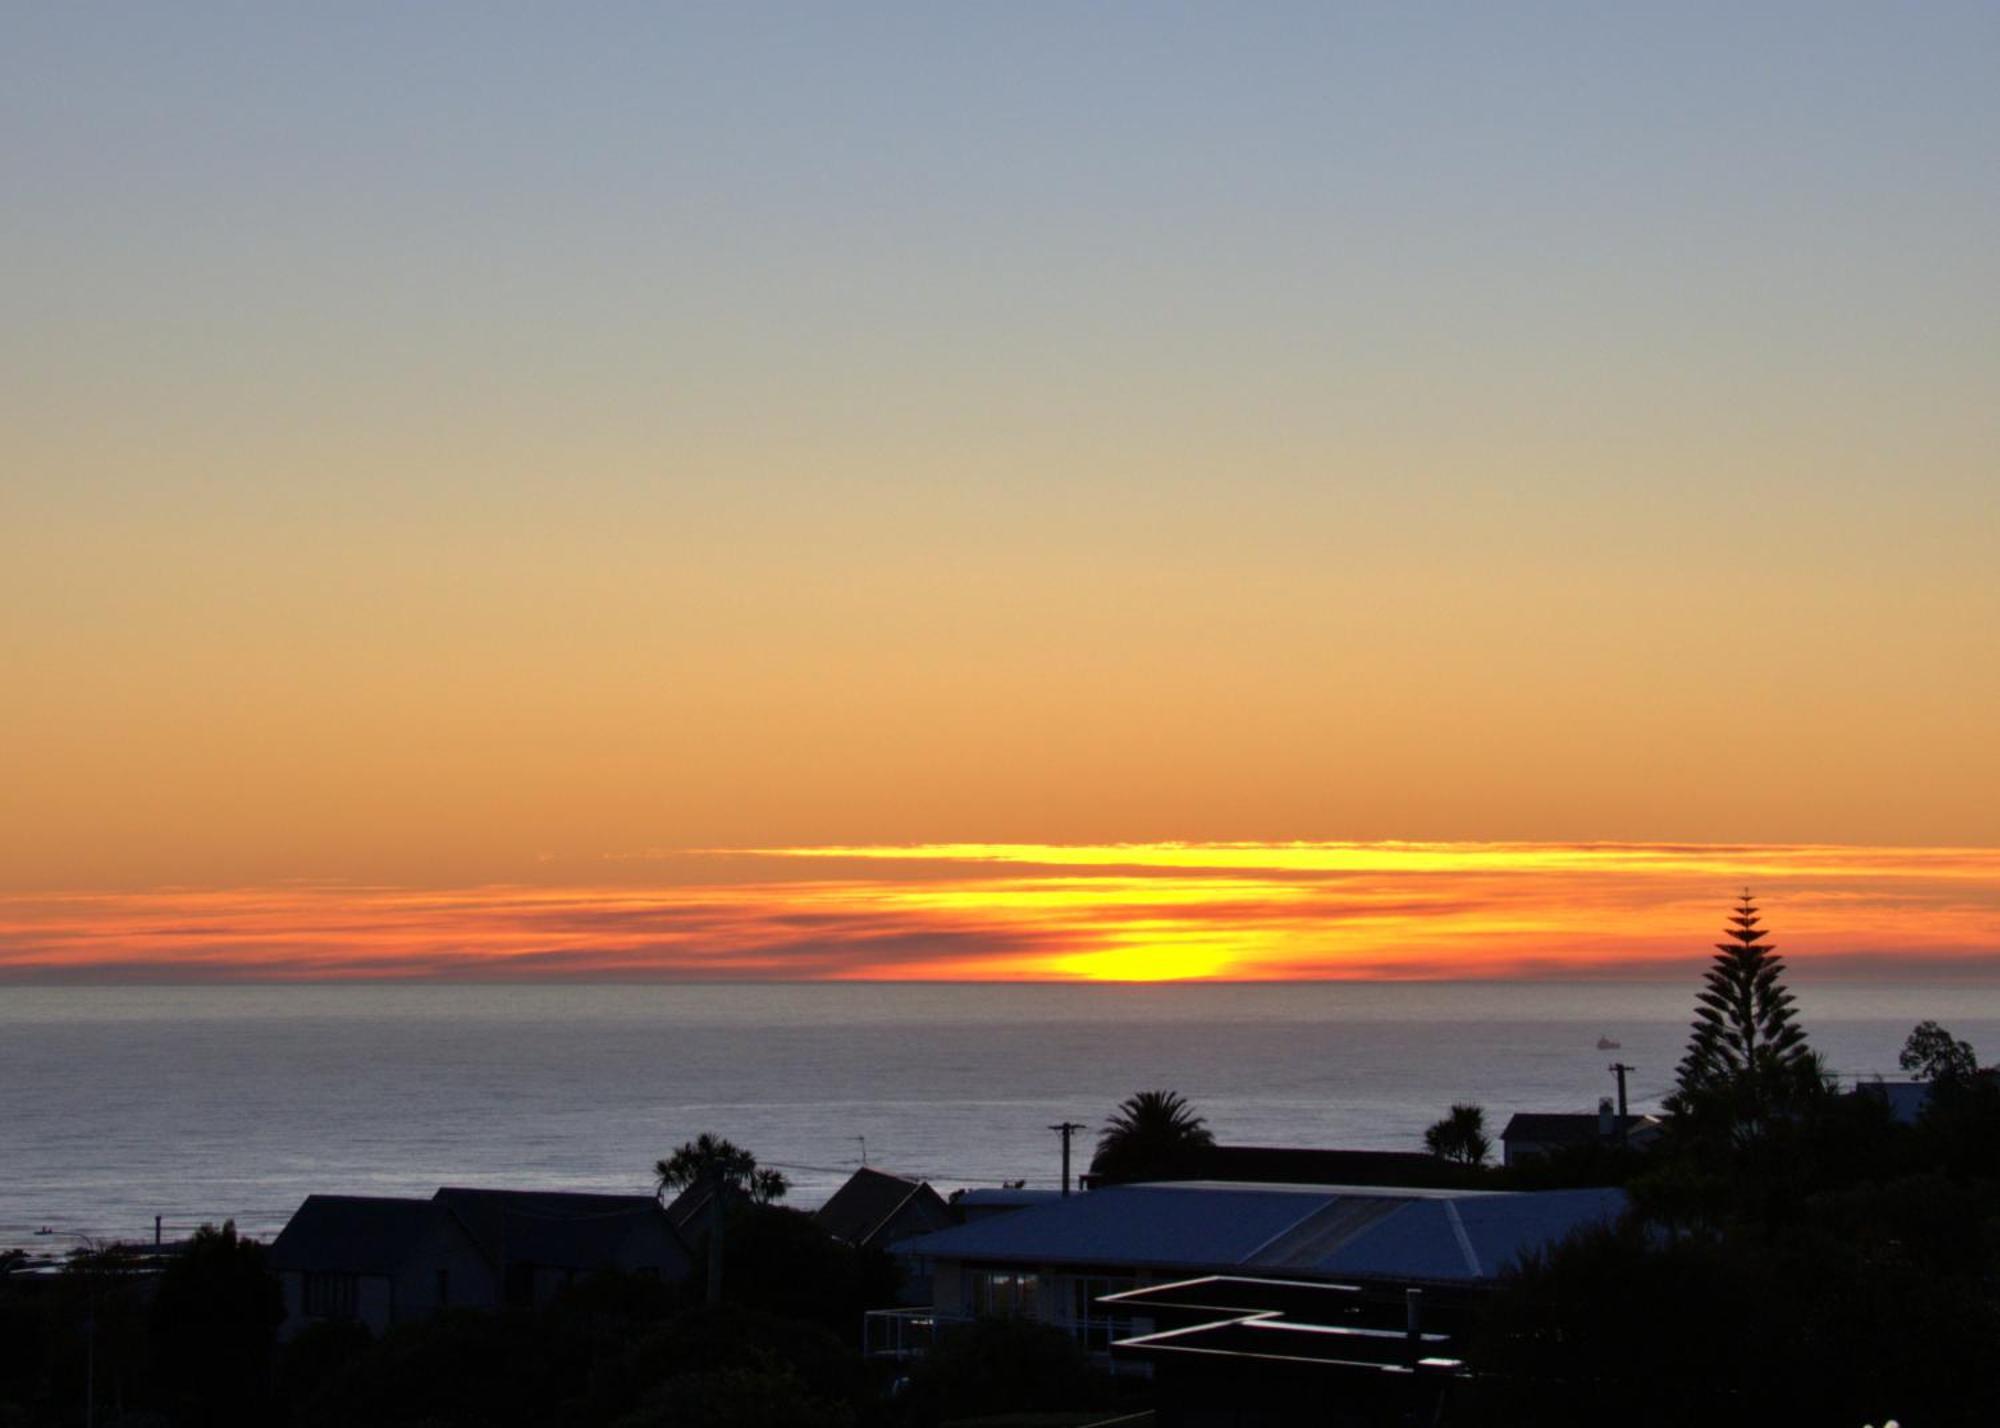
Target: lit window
1004 1293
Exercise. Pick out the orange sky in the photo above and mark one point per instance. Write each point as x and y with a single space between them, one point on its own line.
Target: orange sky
444 455
1119 912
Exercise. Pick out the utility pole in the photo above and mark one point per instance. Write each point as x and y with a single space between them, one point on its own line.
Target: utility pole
864 1150
90 1361
718 1218
1619 1069
1066 1130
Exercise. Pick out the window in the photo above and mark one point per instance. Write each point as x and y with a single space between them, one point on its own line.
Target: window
1098 1324
1004 1293
331 1296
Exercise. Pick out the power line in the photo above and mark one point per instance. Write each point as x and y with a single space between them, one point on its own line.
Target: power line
921 1174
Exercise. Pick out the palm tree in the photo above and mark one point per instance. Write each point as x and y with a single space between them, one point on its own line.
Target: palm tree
1460 1136
712 1157
1152 1134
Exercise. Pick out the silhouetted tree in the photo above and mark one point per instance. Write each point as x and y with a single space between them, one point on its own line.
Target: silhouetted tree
1746 1058
1932 1055
767 1396
735 1337
1872 1302
214 1323
1460 1136
1151 1133
1000 1366
710 1156
784 1262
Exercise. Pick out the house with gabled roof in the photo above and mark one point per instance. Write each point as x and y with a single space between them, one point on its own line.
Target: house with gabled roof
539 1241
1310 1165
1532 1133
1905 1100
380 1261
376 1261
875 1209
689 1212
1057 1262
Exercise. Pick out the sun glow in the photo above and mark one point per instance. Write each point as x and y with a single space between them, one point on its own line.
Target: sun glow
1122 912
1155 954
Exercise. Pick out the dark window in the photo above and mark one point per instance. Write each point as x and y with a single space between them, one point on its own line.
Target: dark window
1096 1325
331 1296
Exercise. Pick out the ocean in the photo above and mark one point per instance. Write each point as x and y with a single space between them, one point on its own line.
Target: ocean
235 1102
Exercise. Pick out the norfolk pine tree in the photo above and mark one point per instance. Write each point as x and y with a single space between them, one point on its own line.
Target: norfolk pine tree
1746 1058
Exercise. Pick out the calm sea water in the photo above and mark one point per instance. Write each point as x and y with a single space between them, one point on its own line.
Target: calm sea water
198 1103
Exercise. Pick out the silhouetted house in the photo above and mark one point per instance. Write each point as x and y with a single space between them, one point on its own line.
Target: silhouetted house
693 1210
1055 1261
1305 1165
376 1262
1905 1099
689 1211
1531 1133
381 1261
540 1241
875 1209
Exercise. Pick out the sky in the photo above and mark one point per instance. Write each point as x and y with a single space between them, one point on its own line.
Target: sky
1056 912
470 466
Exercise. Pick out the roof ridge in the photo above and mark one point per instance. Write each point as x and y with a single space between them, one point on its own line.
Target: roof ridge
1338 1222
908 1196
1464 1240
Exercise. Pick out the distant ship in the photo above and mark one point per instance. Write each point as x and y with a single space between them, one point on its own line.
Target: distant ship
1605 1043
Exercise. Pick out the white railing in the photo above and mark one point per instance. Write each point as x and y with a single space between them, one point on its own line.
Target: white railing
904 1333
910 1333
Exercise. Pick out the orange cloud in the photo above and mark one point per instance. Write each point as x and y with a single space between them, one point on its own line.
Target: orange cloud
1062 912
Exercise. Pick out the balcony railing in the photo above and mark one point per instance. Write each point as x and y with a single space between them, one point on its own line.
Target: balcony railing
904 1333
901 1334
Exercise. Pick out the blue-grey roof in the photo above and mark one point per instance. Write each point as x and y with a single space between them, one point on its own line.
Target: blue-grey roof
1906 1099
1322 1232
1007 1198
1471 1237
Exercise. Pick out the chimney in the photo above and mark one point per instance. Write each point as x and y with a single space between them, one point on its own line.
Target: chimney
1607 1119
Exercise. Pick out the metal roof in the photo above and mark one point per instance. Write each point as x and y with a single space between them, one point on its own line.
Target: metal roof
1906 1099
1004 1197
1318 1232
